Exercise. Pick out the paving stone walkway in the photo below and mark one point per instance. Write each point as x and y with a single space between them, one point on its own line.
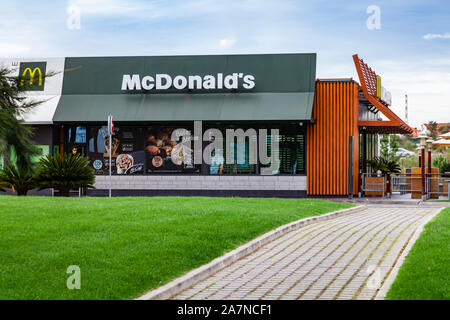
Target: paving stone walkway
348 257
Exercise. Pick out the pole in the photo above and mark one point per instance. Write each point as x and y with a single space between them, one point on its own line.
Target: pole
423 172
110 132
110 171
350 167
364 152
429 161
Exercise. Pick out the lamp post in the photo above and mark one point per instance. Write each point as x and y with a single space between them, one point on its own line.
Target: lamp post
423 137
431 182
429 143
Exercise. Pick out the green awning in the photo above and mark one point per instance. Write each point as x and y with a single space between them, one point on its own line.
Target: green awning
283 88
179 107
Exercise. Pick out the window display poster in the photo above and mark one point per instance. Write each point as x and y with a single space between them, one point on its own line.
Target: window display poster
159 148
127 156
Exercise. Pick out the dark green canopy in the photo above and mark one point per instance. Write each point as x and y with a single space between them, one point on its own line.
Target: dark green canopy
284 89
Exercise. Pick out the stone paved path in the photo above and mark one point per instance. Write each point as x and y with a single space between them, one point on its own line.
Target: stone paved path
348 257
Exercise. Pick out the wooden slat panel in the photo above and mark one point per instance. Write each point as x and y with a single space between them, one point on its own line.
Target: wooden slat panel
336 113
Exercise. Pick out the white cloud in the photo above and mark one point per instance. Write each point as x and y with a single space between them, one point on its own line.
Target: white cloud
431 36
12 49
106 7
426 83
227 42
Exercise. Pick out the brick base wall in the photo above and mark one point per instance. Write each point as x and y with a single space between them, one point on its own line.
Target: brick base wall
190 182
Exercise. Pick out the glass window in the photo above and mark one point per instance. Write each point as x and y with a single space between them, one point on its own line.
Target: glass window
217 160
160 150
127 152
292 151
240 163
80 135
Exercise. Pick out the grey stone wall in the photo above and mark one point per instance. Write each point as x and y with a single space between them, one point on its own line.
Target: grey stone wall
191 182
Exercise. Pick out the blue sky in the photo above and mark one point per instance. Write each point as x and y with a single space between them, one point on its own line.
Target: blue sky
411 50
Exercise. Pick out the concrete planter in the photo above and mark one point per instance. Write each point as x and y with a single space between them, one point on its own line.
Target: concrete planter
375 185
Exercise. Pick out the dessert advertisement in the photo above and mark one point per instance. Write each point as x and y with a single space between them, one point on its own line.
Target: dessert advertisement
127 156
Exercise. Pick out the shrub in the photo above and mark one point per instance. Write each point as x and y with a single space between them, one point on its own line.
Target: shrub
18 179
65 173
442 163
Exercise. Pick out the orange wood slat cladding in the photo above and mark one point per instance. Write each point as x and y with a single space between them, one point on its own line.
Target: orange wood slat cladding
336 113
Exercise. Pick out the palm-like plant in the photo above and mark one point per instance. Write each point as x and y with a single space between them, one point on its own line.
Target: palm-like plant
18 179
65 173
385 165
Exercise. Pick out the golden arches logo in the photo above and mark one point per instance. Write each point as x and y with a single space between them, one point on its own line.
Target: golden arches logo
379 87
32 73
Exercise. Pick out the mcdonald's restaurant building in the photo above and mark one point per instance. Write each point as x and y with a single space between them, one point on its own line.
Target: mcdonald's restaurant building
327 128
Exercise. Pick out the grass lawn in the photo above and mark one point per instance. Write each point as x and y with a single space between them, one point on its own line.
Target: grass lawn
425 273
126 246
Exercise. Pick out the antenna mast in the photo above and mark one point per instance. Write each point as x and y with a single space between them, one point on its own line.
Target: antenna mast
406 108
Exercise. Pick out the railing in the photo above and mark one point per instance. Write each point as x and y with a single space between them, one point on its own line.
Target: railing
406 183
437 185
76 192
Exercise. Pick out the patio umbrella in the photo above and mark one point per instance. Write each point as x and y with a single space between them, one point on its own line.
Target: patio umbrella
442 142
445 135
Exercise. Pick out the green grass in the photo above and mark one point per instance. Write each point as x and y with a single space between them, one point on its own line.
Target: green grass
425 273
126 246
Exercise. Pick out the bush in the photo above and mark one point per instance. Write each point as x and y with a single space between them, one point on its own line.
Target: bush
18 179
65 173
442 163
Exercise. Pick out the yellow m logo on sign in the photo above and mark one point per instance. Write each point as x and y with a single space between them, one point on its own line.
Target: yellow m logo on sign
32 73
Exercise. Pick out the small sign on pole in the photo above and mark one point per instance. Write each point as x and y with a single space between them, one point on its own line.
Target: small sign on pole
110 132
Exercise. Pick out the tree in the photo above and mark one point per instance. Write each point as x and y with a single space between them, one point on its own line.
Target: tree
384 146
14 133
393 148
406 143
444 129
433 128
389 147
